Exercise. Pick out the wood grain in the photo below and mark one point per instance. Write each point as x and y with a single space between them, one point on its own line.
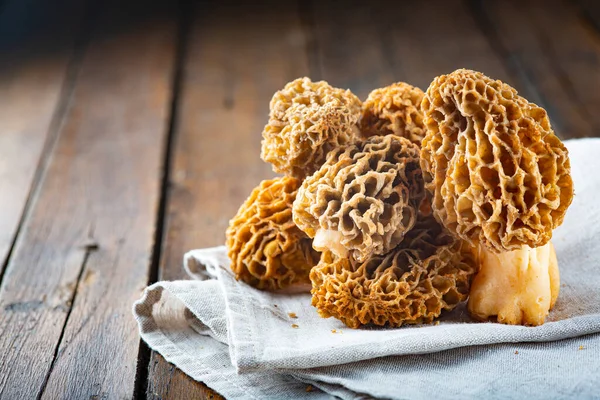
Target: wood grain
66 329
365 46
427 39
348 48
590 11
559 55
234 64
31 83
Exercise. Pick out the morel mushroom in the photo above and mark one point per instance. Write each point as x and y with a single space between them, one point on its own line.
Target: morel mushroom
364 199
430 271
266 248
307 120
499 179
396 110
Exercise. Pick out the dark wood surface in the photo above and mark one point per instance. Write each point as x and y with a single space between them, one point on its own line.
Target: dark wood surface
131 133
34 87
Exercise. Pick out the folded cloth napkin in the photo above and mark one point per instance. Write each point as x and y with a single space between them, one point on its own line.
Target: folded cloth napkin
245 343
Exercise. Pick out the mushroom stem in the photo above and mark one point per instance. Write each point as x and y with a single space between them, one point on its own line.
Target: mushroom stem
518 287
328 239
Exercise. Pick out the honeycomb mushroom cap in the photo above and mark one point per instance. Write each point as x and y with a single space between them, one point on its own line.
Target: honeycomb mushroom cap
497 173
367 193
395 109
307 120
266 248
429 272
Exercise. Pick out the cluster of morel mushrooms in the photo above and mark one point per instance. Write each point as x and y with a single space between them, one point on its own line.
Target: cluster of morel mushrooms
404 205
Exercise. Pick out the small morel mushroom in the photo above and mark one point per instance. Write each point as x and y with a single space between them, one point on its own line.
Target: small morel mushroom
307 120
430 271
364 199
499 179
266 248
396 110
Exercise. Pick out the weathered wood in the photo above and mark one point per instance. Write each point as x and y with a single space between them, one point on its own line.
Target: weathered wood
66 329
234 64
365 46
590 10
575 52
427 39
560 56
35 49
166 381
348 46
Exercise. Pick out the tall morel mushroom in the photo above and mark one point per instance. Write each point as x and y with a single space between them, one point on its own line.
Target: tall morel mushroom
499 179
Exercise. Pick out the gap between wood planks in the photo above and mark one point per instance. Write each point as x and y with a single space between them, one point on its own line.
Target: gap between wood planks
553 61
184 19
66 329
514 66
307 23
58 117
590 11
232 70
81 41
90 247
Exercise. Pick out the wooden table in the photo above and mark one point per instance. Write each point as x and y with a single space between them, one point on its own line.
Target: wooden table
130 133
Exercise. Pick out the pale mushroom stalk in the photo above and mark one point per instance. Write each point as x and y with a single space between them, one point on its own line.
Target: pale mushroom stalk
518 287
329 239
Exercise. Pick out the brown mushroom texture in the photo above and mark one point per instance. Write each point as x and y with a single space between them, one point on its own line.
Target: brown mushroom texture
364 199
498 174
429 272
394 109
266 248
307 120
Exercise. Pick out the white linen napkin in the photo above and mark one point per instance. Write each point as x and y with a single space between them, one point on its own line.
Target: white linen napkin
245 343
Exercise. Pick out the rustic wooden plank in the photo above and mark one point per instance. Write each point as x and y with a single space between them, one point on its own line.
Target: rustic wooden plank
349 49
66 329
559 54
364 46
574 49
166 381
34 60
427 39
234 64
590 10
